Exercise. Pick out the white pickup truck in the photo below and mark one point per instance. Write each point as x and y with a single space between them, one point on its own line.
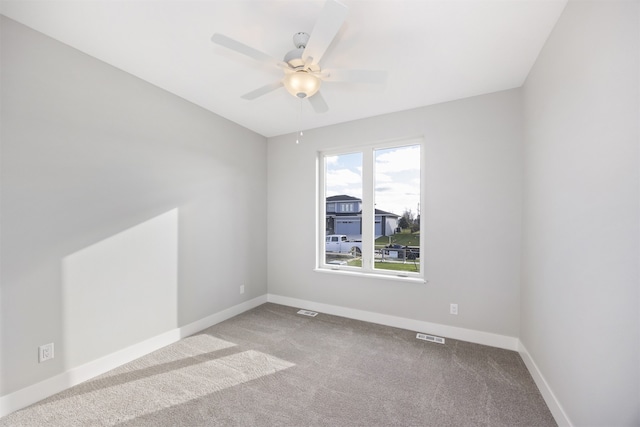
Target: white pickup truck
338 243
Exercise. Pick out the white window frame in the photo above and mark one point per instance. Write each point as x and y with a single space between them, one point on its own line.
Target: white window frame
368 212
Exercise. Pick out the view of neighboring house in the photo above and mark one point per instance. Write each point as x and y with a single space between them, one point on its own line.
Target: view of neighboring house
344 216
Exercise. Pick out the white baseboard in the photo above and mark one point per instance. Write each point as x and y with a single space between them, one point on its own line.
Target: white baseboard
36 392
547 394
469 335
221 316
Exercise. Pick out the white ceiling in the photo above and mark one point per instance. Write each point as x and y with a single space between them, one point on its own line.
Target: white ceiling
433 50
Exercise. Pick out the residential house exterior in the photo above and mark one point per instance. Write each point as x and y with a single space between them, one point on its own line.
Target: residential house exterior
344 216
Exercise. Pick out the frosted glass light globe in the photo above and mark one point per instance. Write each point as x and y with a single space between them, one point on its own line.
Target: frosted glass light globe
301 84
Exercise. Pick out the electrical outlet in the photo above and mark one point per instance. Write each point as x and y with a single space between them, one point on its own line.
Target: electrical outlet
241 289
453 309
45 352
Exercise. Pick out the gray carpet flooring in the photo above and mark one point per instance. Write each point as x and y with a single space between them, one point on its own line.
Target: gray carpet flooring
273 367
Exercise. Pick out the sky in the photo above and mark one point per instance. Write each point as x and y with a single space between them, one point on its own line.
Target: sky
397 178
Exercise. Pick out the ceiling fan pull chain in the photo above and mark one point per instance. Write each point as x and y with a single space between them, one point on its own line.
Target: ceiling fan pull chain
299 135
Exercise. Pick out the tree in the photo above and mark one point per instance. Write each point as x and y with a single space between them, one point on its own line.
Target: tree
415 227
406 220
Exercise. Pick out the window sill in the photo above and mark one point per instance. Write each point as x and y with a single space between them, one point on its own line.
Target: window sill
370 275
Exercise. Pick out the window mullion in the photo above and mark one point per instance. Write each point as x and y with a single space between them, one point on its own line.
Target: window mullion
368 226
322 211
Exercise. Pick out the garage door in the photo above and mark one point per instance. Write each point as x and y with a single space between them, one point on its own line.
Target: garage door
350 227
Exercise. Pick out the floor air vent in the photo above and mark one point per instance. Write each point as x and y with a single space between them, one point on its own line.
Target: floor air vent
308 313
430 338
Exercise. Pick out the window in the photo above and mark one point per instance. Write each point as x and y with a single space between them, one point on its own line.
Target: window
377 223
347 207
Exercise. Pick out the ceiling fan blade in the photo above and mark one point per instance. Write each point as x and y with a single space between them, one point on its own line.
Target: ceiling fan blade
354 76
318 103
327 26
242 48
262 91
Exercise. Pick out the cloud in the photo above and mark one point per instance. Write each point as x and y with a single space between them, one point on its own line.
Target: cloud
342 177
398 159
396 197
383 177
329 160
383 189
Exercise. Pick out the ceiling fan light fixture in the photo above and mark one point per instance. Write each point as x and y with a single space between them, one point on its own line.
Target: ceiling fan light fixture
301 84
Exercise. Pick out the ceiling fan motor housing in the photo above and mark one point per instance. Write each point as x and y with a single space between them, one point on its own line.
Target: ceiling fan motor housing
294 57
300 40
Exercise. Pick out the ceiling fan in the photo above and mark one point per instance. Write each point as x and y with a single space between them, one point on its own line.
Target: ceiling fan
302 72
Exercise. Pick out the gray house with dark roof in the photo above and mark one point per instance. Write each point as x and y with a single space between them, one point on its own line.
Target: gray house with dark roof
344 216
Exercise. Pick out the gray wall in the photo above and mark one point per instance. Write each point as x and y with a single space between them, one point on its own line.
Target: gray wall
124 209
580 272
473 215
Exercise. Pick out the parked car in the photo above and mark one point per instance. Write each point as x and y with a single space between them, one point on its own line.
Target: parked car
339 243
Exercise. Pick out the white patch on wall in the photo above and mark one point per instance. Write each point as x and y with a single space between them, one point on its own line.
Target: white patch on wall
121 290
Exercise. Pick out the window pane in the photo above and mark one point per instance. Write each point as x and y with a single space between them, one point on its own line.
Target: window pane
397 209
343 209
